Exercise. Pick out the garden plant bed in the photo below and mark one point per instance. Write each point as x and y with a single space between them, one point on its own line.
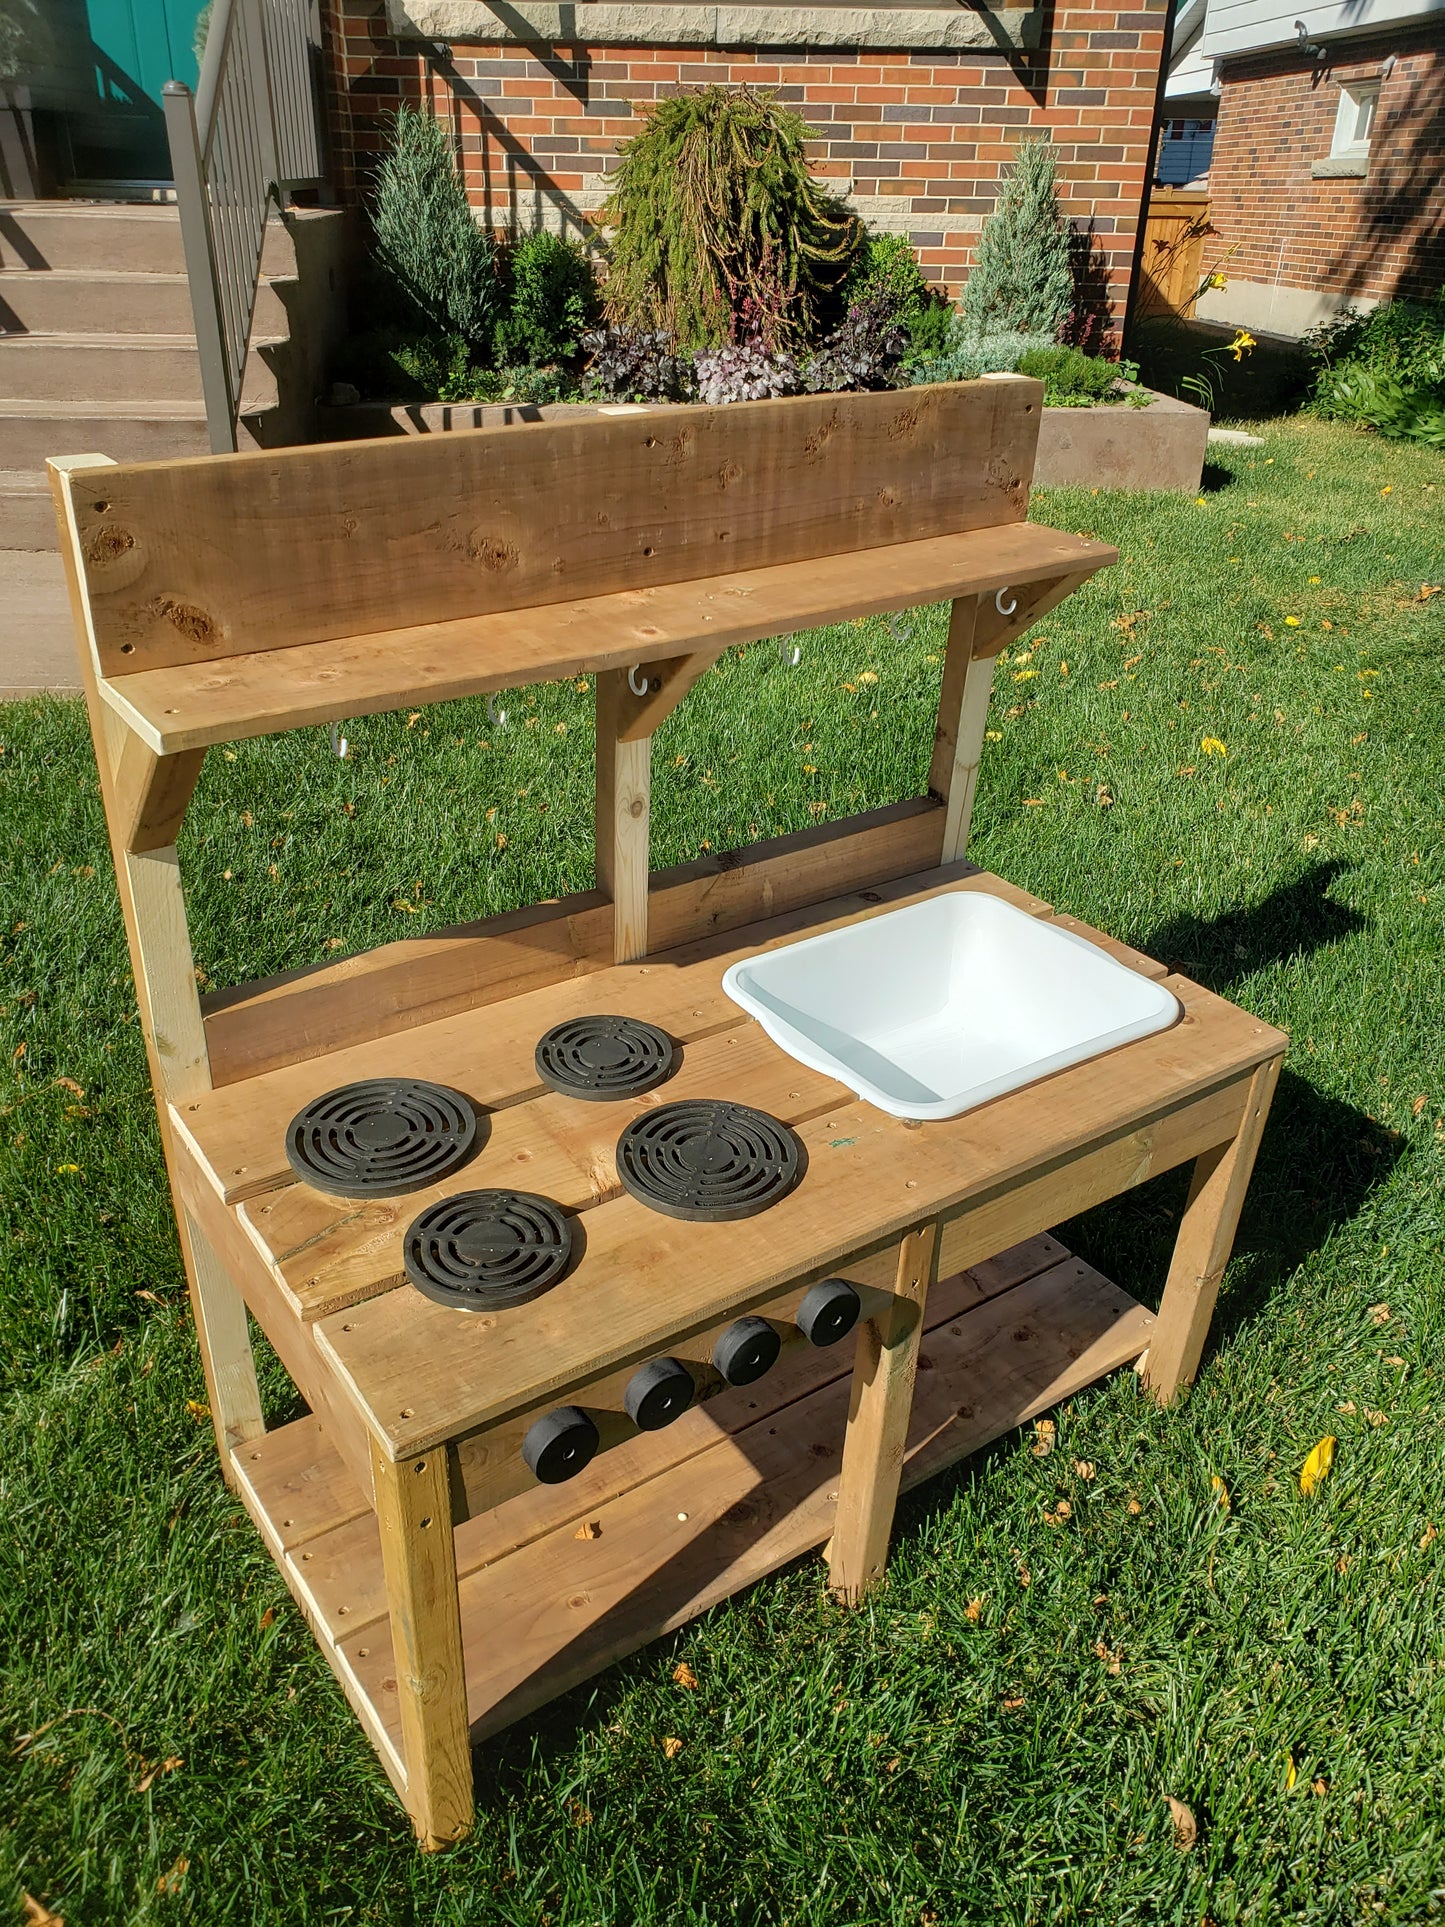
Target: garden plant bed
1109 446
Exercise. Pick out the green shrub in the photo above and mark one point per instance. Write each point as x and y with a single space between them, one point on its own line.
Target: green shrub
551 302
967 354
1073 379
394 363
437 269
1023 278
929 332
715 217
1384 370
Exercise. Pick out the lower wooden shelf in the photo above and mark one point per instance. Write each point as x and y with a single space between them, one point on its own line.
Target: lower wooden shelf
557 1584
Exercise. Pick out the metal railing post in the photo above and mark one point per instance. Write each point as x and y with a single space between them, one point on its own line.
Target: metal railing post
181 132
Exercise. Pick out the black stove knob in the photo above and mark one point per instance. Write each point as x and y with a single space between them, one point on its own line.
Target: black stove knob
559 1445
657 1393
828 1311
748 1348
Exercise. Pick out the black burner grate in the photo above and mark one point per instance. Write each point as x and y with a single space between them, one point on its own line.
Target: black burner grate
705 1160
486 1250
604 1057
386 1135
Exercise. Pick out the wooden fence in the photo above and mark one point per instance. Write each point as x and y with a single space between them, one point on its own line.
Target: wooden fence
1176 229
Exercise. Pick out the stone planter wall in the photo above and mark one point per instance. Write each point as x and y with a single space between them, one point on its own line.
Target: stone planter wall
1159 447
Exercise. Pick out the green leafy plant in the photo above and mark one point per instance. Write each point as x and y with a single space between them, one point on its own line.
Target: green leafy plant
713 206
551 302
1023 278
1073 379
1384 370
436 267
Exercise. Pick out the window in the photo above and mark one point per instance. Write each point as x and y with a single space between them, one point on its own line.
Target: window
1355 120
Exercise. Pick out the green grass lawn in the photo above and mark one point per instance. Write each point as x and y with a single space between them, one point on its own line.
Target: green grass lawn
1226 750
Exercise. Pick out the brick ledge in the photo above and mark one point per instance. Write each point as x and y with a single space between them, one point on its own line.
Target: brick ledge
673 24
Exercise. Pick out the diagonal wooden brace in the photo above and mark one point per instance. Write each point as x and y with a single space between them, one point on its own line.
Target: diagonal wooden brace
667 683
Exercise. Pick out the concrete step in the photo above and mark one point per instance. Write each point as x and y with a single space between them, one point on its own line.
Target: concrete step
132 367
89 301
27 515
36 235
128 431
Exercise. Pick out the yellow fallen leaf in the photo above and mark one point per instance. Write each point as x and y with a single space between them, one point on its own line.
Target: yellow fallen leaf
1220 1491
589 1529
197 1410
1428 1537
153 1773
683 1674
37 1914
867 676
1023 675
1291 622
63 1168
1211 746
1315 1468
1291 1773
671 1748
1083 1469
69 1084
1186 1827
400 903
973 1611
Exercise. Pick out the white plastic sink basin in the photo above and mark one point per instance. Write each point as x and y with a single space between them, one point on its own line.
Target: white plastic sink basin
930 1010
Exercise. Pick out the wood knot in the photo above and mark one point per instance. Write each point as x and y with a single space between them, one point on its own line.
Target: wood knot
493 552
108 544
904 423
818 440
199 629
728 474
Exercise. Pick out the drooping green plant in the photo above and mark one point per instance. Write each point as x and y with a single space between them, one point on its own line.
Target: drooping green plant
1022 278
436 266
551 302
714 207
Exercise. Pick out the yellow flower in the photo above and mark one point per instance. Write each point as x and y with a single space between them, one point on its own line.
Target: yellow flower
1218 281
1211 746
1023 675
67 1167
1291 622
1241 344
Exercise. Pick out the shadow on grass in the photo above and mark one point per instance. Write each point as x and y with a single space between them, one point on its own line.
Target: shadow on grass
1290 922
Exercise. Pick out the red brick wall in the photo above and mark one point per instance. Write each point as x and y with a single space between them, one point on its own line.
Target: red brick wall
1380 236
918 138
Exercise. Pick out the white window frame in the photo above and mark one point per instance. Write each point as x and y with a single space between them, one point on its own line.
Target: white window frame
1359 101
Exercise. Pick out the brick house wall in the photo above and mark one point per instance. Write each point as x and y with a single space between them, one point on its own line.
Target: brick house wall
1305 246
916 138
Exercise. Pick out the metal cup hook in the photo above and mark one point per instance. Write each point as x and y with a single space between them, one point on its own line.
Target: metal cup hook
338 742
637 688
791 656
496 717
998 602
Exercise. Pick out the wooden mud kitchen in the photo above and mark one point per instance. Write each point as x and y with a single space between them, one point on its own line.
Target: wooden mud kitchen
604 1295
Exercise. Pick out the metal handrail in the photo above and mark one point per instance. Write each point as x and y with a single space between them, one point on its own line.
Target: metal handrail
250 133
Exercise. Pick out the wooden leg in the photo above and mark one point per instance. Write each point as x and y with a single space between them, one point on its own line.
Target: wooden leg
1201 1251
962 714
624 801
418 1554
224 1337
878 1413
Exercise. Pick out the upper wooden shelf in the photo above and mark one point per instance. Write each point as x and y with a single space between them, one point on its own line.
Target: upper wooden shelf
189 706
